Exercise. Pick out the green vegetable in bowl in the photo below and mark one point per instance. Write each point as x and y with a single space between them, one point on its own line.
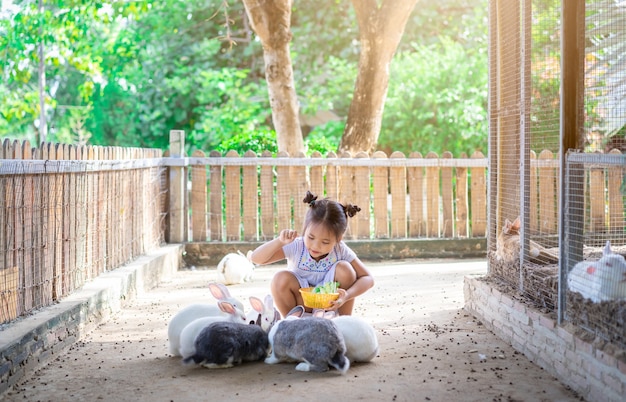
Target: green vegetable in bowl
328 287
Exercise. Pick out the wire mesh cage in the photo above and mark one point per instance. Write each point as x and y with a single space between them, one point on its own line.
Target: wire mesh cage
594 266
532 89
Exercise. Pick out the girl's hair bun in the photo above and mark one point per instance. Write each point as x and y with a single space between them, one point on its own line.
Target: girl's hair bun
310 198
351 210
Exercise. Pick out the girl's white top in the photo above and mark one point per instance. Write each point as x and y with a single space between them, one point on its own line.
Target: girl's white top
310 272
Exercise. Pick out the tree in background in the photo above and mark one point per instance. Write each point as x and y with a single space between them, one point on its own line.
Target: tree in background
271 21
380 30
196 65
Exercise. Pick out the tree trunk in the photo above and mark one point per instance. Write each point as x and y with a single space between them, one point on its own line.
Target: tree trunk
380 32
271 21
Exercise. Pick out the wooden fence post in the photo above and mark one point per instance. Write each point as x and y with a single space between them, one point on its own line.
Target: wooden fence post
177 189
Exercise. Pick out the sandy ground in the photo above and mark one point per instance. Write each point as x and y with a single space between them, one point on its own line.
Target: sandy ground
430 350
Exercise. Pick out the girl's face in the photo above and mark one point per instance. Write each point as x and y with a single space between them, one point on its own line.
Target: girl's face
319 241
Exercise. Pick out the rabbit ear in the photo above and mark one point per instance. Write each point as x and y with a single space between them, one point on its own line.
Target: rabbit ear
256 304
226 307
297 311
607 248
269 302
219 291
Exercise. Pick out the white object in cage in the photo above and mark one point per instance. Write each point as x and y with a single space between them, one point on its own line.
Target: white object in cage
600 280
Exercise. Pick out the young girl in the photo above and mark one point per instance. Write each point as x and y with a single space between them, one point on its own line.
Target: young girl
316 257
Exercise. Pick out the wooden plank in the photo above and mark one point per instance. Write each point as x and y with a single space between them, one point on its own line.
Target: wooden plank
332 178
250 200
177 190
198 200
283 197
91 200
347 193
547 195
81 218
380 187
215 200
316 174
597 201
299 186
47 221
73 281
447 229
534 194
28 228
57 243
415 183
17 209
397 186
616 180
268 220
38 251
362 198
9 281
4 184
432 198
461 201
479 198
232 183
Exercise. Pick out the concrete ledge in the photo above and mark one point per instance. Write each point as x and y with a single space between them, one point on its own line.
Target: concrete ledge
35 340
209 254
594 368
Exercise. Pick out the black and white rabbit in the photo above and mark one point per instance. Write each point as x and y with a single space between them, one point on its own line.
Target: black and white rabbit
227 344
198 310
189 334
314 342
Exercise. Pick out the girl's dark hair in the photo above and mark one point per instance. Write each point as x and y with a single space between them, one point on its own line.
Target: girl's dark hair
328 212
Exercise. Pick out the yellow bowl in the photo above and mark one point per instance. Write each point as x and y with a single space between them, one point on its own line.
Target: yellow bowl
317 300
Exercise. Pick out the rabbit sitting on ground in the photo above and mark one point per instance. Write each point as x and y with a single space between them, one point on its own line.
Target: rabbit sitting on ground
315 342
197 310
227 344
263 313
235 268
189 334
600 280
359 337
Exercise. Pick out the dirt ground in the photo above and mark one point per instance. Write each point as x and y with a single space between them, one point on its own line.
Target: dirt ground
430 350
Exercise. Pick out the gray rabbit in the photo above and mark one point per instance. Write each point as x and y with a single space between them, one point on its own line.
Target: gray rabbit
314 342
226 344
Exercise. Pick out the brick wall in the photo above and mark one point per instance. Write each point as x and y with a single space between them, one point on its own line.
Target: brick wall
592 367
33 341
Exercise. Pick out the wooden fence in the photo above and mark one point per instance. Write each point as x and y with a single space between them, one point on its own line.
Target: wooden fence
252 198
68 214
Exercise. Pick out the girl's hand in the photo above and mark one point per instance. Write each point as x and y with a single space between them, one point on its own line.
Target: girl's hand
340 300
287 236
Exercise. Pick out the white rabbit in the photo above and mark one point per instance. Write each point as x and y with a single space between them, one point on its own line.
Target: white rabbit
263 313
189 334
198 310
600 280
359 336
315 342
612 275
235 268
226 344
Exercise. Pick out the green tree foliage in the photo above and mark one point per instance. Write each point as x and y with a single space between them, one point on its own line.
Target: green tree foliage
127 73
